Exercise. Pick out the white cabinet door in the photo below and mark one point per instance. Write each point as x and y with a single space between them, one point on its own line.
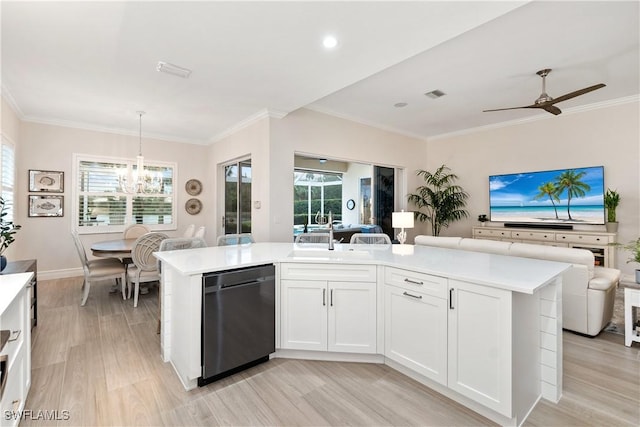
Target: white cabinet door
303 323
480 343
352 317
416 332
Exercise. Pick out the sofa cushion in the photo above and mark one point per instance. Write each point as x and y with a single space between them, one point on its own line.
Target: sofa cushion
441 242
489 246
554 253
604 278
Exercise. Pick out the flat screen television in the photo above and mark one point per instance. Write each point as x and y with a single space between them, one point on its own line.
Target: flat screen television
563 196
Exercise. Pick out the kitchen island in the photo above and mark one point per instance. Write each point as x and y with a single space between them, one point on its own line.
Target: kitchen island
482 329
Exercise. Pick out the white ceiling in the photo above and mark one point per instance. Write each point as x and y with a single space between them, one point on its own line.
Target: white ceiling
93 64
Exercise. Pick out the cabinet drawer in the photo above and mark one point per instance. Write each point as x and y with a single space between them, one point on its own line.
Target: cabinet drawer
14 392
582 238
13 321
487 233
417 282
339 272
533 235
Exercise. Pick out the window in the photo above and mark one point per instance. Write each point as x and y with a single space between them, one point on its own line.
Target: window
101 205
316 194
8 176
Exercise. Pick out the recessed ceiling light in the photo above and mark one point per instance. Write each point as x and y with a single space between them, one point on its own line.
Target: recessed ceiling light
435 94
400 104
165 67
330 42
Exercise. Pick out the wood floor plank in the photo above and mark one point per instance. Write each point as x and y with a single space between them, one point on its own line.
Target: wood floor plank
102 363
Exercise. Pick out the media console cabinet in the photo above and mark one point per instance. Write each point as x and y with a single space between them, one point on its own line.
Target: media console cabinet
598 242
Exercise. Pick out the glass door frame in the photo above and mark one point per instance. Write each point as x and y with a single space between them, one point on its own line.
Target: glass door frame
240 165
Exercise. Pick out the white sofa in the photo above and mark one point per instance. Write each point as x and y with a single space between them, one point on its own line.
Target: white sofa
588 292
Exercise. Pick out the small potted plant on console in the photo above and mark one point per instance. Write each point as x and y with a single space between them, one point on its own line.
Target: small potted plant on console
634 247
483 219
611 202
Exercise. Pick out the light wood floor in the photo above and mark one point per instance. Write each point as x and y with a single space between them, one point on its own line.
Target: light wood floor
102 363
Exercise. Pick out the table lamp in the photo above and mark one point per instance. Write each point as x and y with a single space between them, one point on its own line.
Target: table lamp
402 220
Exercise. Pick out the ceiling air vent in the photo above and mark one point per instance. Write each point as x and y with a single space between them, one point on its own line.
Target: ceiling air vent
165 67
435 94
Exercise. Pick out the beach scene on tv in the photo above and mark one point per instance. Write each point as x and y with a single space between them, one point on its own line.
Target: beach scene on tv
566 196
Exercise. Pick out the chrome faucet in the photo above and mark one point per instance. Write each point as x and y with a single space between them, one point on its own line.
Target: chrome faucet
330 220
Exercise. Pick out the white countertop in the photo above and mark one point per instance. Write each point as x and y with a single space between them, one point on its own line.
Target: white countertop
505 272
10 287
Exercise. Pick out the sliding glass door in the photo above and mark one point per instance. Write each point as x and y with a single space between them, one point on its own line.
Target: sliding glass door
237 197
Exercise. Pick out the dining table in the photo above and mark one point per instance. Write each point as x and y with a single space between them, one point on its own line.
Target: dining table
117 248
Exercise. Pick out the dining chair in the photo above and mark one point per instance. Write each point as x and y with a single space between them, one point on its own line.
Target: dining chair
188 232
370 239
145 267
175 244
235 239
312 238
200 232
135 230
99 269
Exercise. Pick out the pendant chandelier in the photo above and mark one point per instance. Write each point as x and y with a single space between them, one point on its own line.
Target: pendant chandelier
140 181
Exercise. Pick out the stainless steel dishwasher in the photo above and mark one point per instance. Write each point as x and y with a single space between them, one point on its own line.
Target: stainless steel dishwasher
238 320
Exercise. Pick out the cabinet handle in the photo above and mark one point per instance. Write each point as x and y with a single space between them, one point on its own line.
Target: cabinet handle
415 282
14 335
324 297
451 299
412 296
331 298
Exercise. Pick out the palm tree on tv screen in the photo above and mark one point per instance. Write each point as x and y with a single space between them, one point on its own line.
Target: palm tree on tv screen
570 180
549 189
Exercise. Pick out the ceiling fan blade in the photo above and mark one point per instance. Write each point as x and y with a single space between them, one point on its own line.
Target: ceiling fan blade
551 109
576 93
512 108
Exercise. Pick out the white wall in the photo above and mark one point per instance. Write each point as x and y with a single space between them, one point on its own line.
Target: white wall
351 190
607 136
251 141
49 147
310 132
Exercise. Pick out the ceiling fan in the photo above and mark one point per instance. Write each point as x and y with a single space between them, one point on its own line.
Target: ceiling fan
546 102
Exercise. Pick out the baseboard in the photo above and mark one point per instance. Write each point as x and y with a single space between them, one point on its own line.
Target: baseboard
59 274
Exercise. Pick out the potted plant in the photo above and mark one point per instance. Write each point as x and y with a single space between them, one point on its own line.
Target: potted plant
483 219
611 202
443 199
7 230
634 247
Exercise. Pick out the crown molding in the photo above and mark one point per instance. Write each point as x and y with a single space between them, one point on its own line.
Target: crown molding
350 118
543 116
116 131
6 95
252 119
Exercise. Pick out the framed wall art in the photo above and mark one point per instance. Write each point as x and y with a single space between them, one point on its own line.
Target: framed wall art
46 205
46 181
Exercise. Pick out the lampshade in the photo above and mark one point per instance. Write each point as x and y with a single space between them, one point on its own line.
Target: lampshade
402 219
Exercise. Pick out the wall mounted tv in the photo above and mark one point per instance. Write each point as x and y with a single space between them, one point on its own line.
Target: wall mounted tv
563 196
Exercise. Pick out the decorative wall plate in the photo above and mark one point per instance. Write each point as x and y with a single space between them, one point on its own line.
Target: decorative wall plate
193 187
193 206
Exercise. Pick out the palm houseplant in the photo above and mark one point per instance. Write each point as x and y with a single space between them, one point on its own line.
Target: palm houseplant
7 231
634 248
611 202
442 199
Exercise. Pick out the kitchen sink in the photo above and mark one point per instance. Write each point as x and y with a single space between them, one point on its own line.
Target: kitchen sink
325 254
